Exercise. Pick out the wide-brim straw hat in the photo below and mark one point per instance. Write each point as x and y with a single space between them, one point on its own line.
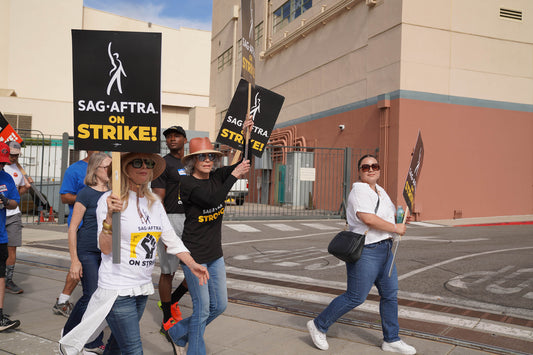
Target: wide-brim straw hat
199 145
160 164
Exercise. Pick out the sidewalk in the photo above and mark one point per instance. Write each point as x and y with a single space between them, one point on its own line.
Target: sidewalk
483 221
242 329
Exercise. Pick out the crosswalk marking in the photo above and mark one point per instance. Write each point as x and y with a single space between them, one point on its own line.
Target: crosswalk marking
319 226
282 227
242 228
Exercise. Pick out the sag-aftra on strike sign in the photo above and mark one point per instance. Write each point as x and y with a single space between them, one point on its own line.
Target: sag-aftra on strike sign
117 91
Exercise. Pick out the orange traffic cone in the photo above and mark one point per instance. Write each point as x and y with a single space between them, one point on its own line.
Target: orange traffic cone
51 215
41 218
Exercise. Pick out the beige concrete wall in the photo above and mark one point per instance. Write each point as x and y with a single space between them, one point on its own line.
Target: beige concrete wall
35 38
174 116
4 42
48 117
453 48
313 73
40 55
184 58
200 119
463 48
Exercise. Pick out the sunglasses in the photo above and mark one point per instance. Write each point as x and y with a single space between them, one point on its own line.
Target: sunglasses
138 163
365 168
203 156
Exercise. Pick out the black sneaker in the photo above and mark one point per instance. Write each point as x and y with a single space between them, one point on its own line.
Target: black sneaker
6 323
163 332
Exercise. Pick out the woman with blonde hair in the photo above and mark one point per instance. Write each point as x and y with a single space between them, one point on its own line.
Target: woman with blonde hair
123 288
85 257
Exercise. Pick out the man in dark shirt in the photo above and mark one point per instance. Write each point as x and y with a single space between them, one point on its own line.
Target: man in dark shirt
167 187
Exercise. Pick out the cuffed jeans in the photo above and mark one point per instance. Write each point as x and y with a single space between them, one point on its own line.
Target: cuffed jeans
123 320
90 262
371 269
208 300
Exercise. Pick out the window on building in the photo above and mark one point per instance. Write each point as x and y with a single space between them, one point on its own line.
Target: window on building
19 122
225 59
288 12
258 35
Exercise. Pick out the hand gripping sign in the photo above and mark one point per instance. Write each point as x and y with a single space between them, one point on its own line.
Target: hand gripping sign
264 111
410 185
117 97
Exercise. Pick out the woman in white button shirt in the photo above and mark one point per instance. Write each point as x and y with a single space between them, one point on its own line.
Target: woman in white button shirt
369 209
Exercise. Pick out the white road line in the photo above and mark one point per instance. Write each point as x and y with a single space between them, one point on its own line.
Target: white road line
320 226
274 239
422 238
242 228
282 227
373 307
414 272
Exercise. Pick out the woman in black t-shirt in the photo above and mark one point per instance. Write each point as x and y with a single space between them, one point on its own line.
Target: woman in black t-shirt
203 193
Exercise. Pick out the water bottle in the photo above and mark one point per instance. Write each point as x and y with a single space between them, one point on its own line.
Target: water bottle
399 214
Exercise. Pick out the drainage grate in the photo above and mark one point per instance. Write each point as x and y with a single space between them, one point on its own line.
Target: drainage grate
511 14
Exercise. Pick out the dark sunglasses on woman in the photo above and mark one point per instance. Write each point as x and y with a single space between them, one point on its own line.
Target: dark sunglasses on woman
138 163
203 156
365 168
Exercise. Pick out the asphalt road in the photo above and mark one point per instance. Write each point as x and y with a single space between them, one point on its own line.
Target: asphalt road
485 268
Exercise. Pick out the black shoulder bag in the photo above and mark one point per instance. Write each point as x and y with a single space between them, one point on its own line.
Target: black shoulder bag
347 245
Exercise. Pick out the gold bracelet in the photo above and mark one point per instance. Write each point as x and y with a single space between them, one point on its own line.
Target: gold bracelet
107 226
106 231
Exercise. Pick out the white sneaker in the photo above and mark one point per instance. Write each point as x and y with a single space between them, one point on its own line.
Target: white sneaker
319 338
398 347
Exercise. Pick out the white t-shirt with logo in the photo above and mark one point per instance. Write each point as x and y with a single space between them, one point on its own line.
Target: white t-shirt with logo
138 243
17 176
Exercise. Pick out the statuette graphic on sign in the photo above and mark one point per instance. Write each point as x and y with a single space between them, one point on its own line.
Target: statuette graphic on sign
117 71
256 107
251 30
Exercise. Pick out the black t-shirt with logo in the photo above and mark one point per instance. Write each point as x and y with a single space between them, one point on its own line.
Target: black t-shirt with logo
204 202
170 181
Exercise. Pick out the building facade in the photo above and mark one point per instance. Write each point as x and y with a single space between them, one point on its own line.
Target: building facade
373 73
36 65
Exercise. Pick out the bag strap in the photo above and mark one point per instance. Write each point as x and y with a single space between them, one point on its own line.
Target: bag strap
375 212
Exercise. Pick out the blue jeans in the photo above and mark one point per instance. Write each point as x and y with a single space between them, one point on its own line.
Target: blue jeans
123 320
90 263
208 301
371 268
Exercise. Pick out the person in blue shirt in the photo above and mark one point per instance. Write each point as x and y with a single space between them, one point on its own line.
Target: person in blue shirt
9 199
73 182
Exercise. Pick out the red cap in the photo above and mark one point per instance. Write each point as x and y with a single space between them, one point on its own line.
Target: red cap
4 153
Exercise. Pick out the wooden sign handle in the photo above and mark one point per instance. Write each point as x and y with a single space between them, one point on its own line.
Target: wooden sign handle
115 182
